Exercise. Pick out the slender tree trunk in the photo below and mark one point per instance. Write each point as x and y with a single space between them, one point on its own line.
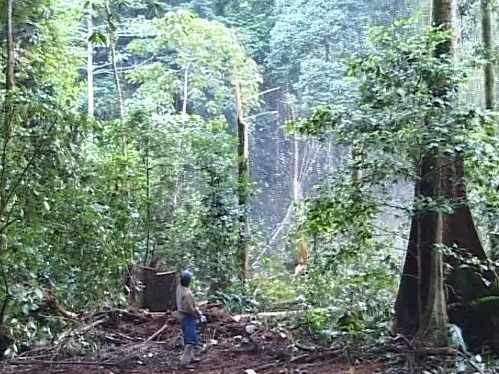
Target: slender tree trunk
490 96
8 116
489 68
244 180
117 81
11 59
7 137
356 173
186 90
421 281
90 67
297 188
148 202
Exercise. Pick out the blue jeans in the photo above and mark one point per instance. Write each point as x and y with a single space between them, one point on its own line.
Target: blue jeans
189 330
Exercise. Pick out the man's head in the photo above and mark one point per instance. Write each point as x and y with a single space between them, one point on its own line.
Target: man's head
185 278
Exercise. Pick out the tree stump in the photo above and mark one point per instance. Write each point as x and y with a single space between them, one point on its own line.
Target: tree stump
149 288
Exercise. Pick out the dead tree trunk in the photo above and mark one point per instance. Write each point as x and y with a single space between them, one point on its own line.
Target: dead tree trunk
243 181
420 292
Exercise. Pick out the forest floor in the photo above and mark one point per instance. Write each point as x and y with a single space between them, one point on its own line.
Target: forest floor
138 342
146 343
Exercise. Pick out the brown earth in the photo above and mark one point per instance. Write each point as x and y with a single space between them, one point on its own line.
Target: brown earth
125 346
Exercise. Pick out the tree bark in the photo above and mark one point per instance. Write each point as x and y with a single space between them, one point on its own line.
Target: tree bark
420 298
489 95
90 66
7 136
10 81
8 116
489 68
185 90
432 329
117 81
148 200
244 179
356 172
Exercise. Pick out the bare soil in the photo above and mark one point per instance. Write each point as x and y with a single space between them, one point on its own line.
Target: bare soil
125 346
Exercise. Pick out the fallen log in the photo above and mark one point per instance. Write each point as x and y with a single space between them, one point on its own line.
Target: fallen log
275 315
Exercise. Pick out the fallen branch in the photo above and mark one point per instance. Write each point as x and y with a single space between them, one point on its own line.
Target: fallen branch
299 358
305 347
157 333
45 362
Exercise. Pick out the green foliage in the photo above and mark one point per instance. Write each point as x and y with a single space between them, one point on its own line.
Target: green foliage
237 299
81 210
397 111
201 56
308 58
342 208
317 324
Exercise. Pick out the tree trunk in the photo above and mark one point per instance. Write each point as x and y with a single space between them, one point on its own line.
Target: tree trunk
297 189
11 60
186 90
489 68
90 67
244 180
148 200
8 124
420 298
356 155
432 329
490 94
4 185
117 82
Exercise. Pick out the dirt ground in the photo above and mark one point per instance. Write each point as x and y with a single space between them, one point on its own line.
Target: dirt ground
130 343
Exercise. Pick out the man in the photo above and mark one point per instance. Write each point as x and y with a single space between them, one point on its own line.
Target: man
187 314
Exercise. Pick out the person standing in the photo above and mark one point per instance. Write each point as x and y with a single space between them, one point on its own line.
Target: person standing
188 314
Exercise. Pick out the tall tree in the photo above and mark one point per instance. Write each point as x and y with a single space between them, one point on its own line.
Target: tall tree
419 305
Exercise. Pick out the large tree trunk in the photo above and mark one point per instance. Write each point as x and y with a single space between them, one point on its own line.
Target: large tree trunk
420 301
244 180
433 325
